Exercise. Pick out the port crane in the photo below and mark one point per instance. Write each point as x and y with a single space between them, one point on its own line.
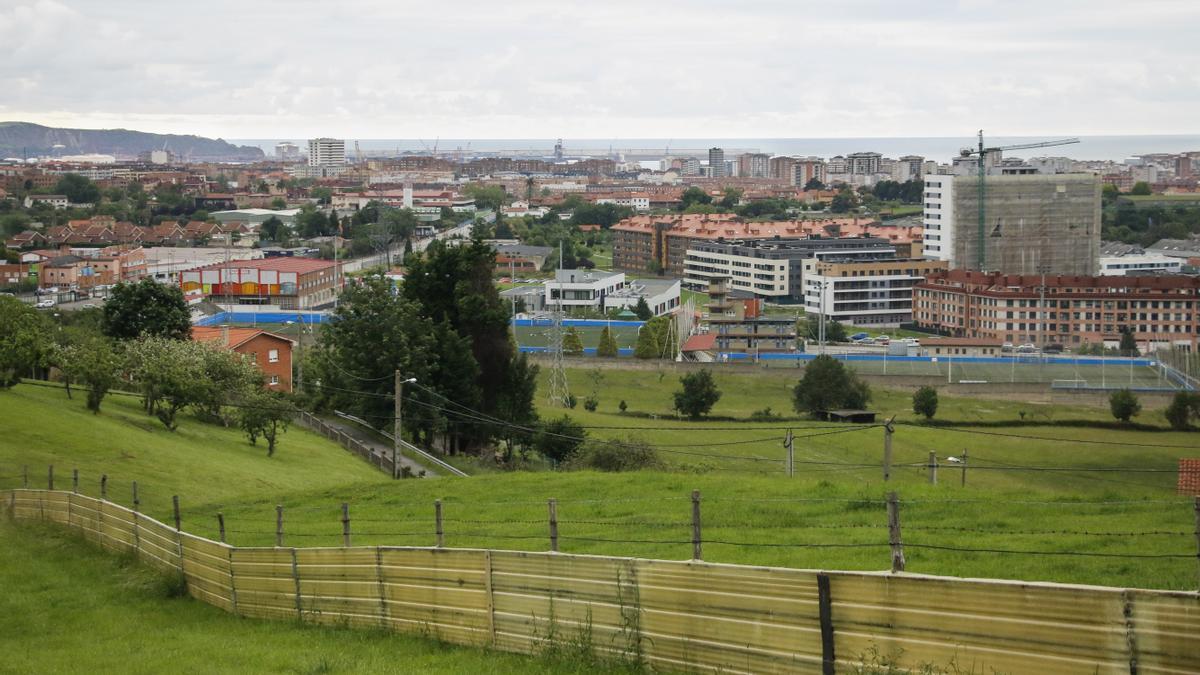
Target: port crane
981 155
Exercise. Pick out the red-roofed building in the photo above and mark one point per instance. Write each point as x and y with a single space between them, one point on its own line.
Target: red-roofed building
270 352
289 283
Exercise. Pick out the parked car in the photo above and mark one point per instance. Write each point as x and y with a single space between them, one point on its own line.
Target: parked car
859 336
1006 347
45 304
1027 348
1053 348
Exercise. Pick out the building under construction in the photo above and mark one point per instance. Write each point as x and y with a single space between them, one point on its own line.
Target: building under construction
1030 224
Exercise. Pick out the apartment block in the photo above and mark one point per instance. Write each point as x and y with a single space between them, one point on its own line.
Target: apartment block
1031 223
773 268
326 152
1160 310
865 292
739 324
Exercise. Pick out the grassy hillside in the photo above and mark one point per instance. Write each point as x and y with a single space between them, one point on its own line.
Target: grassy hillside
1060 526
66 604
198 460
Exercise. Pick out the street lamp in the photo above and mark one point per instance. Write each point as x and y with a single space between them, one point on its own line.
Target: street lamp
398 425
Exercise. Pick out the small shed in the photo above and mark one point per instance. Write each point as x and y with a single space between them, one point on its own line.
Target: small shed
847 415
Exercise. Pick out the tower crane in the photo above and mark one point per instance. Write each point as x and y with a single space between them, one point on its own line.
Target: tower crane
981 154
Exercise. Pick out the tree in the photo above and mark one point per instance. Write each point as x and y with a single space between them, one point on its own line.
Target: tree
168 373
23 340
731 197
273 229
1141 189
643 311
1124 404
656 339
693 195
814 184
1128 345
607 348
146 308
835 332
77 189
698 396
516 406
278 203
323 195
925 402
558 439
264 413
842 202
572 345
828 385
93 363
488 197
1184 407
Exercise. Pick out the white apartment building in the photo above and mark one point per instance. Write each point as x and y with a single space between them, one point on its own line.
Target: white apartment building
326 152
938 218
600 291
635 202
864 293
1146 263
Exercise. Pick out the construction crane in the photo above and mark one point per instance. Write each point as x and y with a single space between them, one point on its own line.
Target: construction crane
981 155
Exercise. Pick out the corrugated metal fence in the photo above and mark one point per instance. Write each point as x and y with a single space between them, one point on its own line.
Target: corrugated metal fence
672 615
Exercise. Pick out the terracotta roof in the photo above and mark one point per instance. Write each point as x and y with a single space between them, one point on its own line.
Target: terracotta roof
700 343
237 336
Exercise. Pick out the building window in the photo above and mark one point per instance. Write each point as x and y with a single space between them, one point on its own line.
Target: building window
274 380
273 356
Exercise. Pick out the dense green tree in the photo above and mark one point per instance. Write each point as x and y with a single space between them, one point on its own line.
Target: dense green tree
607 348
273 229
168 372
312 223
323 195
146 308
1184 407
92 362
814 184
731 197
693 195
558 439
657 339
572 344
828 385
642 310
698 395
1124 404
24 341
604 215
1141 189
1128 345
843 202
516 406
925 402
489 197
77 189
266 414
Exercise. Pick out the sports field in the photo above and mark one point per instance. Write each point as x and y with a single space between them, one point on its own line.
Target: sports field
538 336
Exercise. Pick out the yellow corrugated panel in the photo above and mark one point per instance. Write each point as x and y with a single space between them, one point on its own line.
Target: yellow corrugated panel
86 512
56 505
1003 626
264 582
1166 631
339 585
440 592
27 504
117 527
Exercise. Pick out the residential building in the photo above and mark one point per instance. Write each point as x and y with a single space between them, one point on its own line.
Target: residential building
716 162
863 163
863 293
910 167
772 268
57 201
287 151
286 282
270 352
659 244
1161 311
101 267
754 165
326 152
1031 223
738 323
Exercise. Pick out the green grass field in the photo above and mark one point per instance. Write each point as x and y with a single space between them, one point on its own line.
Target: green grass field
67 607
749 517
1068 374
538 336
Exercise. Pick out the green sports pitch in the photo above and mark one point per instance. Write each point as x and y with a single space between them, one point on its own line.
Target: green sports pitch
539 336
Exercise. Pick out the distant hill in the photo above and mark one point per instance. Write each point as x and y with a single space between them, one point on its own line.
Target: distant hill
19 139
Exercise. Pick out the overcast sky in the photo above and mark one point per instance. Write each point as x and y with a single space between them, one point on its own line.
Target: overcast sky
611 69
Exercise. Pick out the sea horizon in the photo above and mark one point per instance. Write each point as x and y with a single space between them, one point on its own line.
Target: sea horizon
939 148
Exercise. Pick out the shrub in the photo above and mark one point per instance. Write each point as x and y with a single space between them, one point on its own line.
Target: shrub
628 455
622 406
1124 404
925 402
829 385
698 395
764 415
558 439
590 404
1183 409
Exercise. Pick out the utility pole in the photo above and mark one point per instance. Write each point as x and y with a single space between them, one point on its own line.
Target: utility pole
397 427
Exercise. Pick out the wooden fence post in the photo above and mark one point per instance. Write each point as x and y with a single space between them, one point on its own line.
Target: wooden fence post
296 577
346 524
178 531
279 525
1197 507
964 469
75 481
887 451
696 553
552 506
50 478
25 476
893 516
825 614
933 467
137 537
221 526
437 523
104 487
175 510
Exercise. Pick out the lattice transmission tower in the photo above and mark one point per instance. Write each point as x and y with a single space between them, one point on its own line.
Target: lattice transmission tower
559 393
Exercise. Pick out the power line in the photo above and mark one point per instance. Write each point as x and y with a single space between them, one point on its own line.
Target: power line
1053 440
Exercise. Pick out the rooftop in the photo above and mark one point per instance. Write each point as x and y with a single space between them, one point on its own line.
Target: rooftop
278 264
237 336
